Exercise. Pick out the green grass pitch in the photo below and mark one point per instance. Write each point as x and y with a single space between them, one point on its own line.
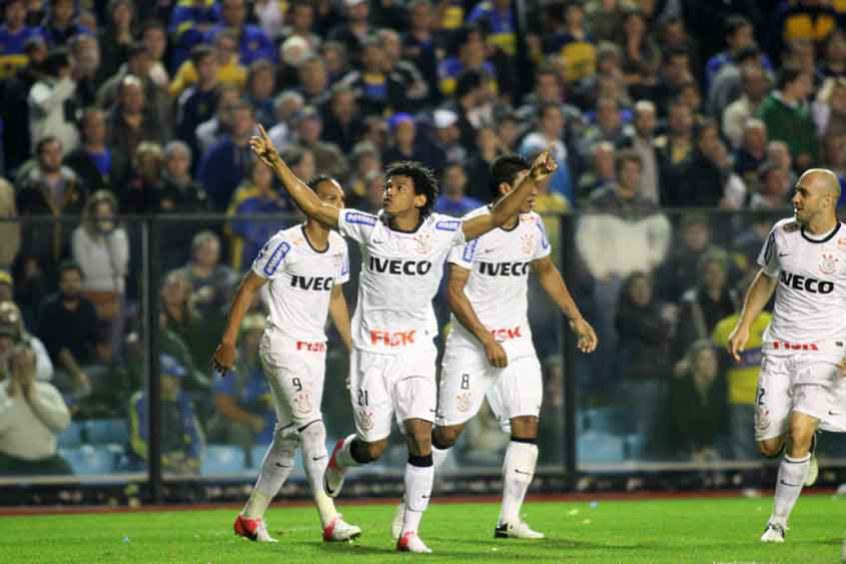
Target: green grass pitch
684 530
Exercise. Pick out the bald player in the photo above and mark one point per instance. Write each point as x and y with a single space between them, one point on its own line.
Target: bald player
801 388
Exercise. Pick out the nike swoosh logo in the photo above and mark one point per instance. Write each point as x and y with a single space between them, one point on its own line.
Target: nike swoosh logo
326 487
521 472
831 412
281 465
318 458
783 254
424 497
782 482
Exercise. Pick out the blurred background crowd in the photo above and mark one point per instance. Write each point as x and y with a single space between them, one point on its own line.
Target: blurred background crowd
679 127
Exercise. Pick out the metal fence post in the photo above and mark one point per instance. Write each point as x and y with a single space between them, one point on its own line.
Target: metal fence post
152 273
567 244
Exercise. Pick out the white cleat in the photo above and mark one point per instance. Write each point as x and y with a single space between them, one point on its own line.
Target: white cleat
252 529
333 478
773 533
410 542
399 517
519 530
340 531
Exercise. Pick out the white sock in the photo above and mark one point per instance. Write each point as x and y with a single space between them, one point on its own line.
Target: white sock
275 469
517 472
418 488
791 475
315 459
439 457
344 459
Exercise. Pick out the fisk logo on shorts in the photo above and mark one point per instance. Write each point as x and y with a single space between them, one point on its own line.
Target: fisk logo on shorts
806 283
506 334
311 347
392 338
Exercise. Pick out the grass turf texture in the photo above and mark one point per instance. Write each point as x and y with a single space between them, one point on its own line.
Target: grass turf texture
684 530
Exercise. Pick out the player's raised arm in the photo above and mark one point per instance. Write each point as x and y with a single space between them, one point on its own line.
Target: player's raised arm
461 307
760 292
555 287
510 205
303 196
224 356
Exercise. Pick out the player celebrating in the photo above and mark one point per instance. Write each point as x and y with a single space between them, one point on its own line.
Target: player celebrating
306 266
490 350
392 366
800 388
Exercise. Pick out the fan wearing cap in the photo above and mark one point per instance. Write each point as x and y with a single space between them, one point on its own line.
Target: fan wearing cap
32 413
182 438
303 268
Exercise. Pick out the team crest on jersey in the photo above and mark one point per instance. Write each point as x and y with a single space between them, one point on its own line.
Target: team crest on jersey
424 242
790 227
463 402
528 243
366 419
303 403
828 263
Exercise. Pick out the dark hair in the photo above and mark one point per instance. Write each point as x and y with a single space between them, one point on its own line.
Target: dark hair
152 24
703 125
736 22
505 169
788 74
624 156
44 141
314 182
68 265
200 52
55 61
467 81
423 179
137 48
462 35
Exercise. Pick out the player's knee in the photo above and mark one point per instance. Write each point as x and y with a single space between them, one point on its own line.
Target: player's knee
771 448
374 451
420 441
445 437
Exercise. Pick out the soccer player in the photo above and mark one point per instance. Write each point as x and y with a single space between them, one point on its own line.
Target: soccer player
801 386
392 366
305 267
490 351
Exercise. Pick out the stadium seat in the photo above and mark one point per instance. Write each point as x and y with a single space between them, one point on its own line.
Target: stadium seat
223 459
596 447
89 460
107 431
72 436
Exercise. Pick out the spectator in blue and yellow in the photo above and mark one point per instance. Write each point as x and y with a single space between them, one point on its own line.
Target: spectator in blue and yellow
500 23
60 24
183 442
188 25
230 71
419 46
378 92
549 134
575 45
228 161
92 160
117 35
354 30
259 93
468 53
256 196
219 126
808 20
787 116
739 35
252 43
244 414
198 103
13 36
453 199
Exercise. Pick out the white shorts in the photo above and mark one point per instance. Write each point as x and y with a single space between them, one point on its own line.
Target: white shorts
295 371
802 383
384 385
467 378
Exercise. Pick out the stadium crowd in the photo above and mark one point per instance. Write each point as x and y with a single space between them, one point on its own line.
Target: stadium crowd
118 107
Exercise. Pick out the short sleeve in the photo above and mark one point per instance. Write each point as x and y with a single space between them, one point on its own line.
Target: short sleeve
451 227
464 255
356 225
271 258
768 259
542 246
344 276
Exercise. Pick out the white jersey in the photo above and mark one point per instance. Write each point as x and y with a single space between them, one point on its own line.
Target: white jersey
500 262
400 275
811 294
301 282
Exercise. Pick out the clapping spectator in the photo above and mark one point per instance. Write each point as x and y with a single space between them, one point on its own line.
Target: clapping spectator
48 100
12 322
